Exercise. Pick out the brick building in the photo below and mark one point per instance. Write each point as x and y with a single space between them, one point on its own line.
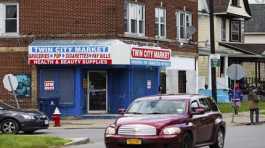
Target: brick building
86 54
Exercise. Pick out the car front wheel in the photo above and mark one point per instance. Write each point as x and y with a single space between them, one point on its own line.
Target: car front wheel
220 140
9 126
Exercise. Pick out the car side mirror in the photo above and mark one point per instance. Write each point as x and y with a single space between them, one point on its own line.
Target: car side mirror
198 111
121 110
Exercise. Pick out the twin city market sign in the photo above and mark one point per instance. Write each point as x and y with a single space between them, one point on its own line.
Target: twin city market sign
116 53
147 56
69 55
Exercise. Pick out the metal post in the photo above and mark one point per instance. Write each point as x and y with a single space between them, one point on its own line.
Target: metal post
213 73
256 74
259 74
13 92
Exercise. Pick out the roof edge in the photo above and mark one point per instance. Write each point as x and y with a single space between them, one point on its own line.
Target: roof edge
235 48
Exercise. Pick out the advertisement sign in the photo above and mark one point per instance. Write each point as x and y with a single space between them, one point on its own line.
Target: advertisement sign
149 84
24 85
114 52
48 85
150 56
83 54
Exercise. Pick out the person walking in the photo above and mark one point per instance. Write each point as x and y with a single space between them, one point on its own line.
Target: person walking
253 105
236 97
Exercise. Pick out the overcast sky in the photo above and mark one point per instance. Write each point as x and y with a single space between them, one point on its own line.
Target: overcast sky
256 1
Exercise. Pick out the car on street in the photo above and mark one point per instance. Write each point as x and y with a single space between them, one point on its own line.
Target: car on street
168 121
14 120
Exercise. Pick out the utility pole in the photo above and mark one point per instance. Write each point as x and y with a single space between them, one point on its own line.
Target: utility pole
212 43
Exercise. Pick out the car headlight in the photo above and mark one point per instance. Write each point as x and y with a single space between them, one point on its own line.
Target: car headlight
110 131
171 131
28 117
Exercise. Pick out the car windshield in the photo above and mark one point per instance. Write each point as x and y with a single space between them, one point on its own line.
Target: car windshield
157 107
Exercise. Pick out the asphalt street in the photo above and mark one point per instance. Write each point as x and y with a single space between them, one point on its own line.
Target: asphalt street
237 136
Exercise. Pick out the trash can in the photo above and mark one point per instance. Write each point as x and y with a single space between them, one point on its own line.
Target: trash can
48 105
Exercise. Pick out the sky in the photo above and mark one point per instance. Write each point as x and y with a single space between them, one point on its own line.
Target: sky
256 1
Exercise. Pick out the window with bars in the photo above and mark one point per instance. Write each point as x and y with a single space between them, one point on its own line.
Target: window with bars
160 22
8 18
235 31
134 18
183 25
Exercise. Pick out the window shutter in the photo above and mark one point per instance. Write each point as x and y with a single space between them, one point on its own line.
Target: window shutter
2 18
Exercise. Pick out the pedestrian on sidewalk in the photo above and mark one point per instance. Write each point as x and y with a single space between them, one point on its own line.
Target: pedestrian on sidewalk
236 97
253 105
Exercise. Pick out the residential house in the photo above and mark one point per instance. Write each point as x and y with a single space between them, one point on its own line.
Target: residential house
254 37
229 21
94 56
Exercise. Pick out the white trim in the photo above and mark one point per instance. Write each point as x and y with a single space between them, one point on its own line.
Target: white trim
3 11
223 29
133 12
186 14
254 33
88 98
159 12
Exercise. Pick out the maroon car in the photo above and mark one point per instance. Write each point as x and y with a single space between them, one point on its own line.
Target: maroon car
168 121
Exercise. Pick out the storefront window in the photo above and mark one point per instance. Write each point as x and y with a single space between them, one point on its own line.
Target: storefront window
24 85
57 84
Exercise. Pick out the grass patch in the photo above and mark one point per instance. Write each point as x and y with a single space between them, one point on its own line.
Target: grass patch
227 107
26 141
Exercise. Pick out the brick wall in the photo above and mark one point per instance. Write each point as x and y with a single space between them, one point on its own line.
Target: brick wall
15 63
68 17
97 19
86 19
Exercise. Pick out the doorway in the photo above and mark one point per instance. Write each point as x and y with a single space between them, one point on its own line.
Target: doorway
182 80
97 92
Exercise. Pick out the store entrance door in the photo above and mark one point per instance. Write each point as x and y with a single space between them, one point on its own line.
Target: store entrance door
97 92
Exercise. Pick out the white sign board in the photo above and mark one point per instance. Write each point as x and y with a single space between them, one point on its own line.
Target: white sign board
10 82
150 56
48 85
149 84
215 56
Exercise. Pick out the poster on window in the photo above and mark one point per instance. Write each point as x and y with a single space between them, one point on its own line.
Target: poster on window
49 85
149 84
24 85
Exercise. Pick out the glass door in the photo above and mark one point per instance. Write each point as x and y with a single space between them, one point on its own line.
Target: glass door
97 91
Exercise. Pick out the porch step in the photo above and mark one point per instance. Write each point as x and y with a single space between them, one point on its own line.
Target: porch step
100 116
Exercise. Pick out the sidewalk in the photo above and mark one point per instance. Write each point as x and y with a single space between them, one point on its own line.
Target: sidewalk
83 123
239 120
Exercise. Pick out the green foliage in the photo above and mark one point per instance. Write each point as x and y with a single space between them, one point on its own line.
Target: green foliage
25 141
227 107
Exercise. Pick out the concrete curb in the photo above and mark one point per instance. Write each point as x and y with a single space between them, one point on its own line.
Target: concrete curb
77 141
69 128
